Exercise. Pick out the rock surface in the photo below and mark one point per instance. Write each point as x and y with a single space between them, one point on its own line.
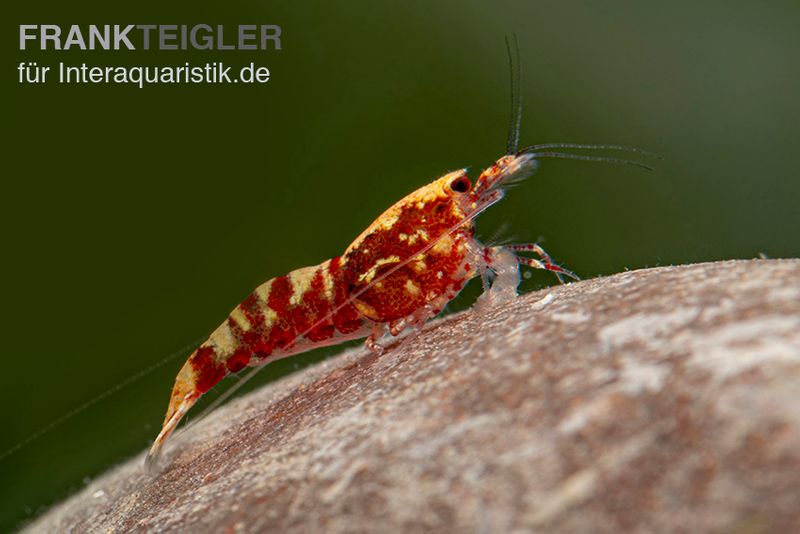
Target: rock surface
664 399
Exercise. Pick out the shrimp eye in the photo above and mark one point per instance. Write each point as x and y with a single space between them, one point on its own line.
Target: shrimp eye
460 184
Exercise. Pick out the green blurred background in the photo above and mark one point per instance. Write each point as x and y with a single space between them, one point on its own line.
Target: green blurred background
133 220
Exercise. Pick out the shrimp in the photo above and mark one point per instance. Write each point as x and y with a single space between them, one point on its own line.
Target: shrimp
401 271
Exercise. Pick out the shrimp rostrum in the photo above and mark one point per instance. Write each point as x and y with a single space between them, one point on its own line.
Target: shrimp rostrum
400 272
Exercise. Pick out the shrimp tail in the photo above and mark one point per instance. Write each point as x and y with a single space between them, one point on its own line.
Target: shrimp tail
199 374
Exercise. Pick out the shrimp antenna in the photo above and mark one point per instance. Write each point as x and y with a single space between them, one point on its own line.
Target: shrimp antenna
91 402
515 75
582 157
622 148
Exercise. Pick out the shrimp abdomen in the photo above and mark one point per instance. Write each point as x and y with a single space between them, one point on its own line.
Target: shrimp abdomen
291 314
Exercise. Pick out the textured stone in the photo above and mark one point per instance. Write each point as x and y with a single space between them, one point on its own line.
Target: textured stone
664 399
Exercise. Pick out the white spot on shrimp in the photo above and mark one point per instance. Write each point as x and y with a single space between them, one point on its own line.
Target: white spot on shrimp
370 274
238 316
412 288
301 282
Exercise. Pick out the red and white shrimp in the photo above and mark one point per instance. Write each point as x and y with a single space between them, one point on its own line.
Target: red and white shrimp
400 272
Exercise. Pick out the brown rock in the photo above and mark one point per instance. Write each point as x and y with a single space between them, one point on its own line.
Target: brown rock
657 400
